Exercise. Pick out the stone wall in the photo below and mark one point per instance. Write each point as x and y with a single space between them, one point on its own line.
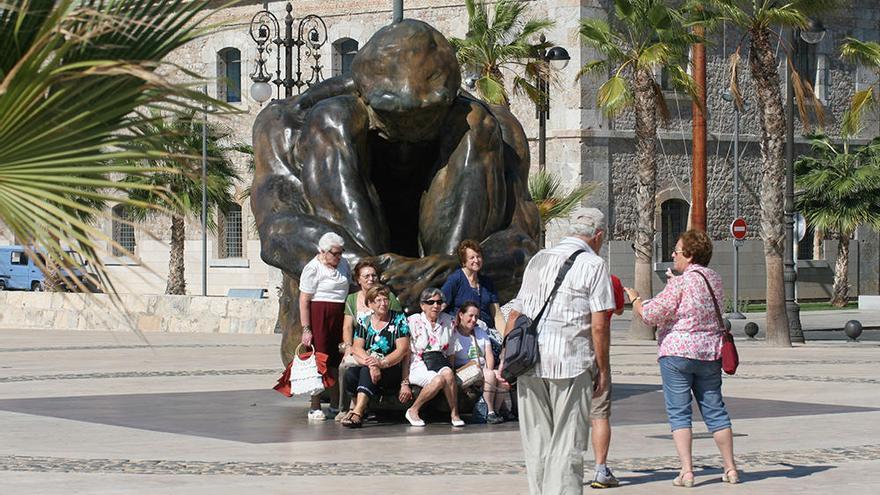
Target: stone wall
145 313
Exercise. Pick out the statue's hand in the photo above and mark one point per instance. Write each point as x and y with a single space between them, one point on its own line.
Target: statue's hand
410 276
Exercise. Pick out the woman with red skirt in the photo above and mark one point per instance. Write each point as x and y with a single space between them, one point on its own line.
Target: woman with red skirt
323 287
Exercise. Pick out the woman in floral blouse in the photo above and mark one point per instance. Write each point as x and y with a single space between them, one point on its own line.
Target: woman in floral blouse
431 331
689 339
381 342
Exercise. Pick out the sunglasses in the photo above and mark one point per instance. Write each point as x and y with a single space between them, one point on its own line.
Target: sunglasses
336 253
435 302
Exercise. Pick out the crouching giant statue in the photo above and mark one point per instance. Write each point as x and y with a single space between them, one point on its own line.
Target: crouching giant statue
401 164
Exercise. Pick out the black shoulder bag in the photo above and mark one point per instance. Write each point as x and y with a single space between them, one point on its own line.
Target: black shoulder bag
520 352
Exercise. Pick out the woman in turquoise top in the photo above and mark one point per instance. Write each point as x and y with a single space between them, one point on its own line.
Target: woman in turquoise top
381 342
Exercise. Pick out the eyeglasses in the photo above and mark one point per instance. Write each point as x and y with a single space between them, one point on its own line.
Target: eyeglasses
677 251
433 302
336 253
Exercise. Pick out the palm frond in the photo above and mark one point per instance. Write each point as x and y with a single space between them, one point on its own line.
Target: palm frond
546 191
614 95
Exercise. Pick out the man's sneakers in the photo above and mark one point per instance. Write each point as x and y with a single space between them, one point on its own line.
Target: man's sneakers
317 415
604 480
494 419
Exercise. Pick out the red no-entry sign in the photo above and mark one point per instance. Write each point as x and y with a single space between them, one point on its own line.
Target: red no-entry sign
739 229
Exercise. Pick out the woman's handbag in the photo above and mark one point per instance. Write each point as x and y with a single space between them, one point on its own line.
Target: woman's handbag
520 349
435 360
729 356
471 374
304 375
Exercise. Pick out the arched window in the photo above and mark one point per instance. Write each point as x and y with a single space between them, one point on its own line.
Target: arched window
344 50
229 233
673 222
807 244
229 75
123 231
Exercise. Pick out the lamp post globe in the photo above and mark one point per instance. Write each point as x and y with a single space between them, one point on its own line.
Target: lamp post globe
814 32
261 91
558 58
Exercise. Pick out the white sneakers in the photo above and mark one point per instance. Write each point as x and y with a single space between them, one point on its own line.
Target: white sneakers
317 415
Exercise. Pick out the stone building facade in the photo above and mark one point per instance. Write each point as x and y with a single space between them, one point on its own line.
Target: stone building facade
582 144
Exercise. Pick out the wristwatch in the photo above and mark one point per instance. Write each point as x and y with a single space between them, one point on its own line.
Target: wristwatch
307 328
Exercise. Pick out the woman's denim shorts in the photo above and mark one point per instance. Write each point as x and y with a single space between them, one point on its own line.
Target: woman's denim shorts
681 376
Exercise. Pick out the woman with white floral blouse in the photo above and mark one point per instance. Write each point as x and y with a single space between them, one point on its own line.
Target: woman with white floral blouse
689 340
430 334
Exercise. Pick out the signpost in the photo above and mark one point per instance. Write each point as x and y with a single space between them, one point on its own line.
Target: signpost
738 229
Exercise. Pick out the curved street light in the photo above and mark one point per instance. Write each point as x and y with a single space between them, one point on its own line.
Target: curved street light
265 30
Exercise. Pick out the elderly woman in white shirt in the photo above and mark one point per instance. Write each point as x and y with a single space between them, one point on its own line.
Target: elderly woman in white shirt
430 336
323 287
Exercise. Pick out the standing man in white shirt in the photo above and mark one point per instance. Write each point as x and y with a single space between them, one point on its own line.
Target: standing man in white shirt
573 340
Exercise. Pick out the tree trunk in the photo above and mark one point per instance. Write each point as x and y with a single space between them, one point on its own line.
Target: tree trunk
762 63
176 274
646 185
818 237
840 290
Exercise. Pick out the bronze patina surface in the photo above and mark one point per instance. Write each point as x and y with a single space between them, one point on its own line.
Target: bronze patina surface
400 163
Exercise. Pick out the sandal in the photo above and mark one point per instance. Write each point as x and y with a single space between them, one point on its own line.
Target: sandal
349 421
683 481
730 476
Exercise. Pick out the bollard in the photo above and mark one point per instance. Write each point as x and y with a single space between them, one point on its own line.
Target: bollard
853 329
751 330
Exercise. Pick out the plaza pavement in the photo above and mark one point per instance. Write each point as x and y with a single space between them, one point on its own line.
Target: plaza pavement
106 413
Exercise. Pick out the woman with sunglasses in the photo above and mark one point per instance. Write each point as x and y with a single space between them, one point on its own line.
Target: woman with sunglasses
430 334
323 287
366 275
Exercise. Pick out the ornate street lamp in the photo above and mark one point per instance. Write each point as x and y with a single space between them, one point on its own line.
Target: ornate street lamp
813 34
557 58
265 30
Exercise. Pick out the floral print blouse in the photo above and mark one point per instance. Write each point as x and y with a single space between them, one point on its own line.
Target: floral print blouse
382 342
427 336
684 314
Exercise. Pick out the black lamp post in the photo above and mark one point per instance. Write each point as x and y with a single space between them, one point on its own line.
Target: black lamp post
814 33
557 58
310 36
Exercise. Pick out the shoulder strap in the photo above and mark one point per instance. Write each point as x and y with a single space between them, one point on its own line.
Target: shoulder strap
559 278
714 300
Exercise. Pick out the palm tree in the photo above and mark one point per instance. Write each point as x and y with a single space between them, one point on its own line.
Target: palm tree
546 191
645 34
182 141
758 19
840 190
867 54
500 43
74 78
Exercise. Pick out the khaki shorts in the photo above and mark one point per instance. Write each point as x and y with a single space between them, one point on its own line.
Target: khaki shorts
600 406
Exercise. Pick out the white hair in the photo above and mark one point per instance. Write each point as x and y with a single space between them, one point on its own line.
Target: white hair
329 240
586 222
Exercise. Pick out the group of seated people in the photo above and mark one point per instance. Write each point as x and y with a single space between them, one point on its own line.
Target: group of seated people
383 352
394 352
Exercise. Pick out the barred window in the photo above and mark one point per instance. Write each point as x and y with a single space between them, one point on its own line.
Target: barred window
123 232
344 50
229 233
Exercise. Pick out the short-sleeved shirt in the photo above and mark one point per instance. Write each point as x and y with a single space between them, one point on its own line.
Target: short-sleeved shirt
565 338
457 291
383 341
351 306
324 283
687 325
426 336
619 301
464 346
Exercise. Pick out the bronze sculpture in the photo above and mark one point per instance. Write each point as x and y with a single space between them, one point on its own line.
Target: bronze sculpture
400 163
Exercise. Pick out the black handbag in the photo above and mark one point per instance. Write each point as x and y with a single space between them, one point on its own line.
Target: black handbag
435 360
521 343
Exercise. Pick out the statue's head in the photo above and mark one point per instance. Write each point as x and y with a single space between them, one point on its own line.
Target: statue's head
408 75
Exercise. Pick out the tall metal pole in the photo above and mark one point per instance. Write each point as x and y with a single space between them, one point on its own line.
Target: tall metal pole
735 314
792 309
205 198
698 179
398 11
542 107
